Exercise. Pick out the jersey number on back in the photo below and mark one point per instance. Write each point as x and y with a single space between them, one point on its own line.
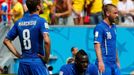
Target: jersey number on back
26 39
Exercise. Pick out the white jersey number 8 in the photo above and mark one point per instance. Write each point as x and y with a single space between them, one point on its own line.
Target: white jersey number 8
26 39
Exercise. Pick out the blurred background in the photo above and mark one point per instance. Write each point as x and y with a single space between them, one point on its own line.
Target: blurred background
70 30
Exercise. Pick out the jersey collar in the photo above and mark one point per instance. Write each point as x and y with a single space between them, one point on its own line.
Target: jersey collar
108 25
34 15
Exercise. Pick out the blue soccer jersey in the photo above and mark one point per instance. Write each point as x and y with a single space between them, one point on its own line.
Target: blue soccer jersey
70 69
30 30
106 36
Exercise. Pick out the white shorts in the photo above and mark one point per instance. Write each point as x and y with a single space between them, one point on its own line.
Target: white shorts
75 16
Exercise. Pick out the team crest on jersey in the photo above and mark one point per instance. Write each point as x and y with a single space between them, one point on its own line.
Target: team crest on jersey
96 34
46 25
109 36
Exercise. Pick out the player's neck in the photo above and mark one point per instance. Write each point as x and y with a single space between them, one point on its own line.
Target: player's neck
35 13
107 22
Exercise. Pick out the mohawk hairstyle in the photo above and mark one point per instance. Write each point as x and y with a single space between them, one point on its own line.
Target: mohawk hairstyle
107 8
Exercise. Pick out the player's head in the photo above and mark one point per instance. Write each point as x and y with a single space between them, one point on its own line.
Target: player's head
74 50
110 12
34 5
70 60
81 60
14 1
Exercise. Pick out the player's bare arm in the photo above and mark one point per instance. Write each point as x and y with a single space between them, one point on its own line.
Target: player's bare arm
11 47
117 59
99 56
47 48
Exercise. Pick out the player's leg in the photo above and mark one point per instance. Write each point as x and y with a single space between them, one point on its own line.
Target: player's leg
23 69
37 67
39 70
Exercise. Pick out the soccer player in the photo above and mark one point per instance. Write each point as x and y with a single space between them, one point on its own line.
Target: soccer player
105 42
81 66
32 33
74 50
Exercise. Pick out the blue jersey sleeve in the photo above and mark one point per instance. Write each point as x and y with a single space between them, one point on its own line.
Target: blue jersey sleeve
98 34
43 26
12 34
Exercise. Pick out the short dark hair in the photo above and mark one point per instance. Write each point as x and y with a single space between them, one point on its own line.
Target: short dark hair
80 53
72 49
32 5
107 8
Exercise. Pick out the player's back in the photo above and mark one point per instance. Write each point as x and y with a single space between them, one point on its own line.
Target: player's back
30 35
71 69
68 69
92 69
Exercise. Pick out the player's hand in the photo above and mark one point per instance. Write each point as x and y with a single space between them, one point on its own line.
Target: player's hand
43 58
101 67
118 64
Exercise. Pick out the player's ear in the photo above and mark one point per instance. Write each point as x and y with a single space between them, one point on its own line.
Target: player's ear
38 7
107 14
